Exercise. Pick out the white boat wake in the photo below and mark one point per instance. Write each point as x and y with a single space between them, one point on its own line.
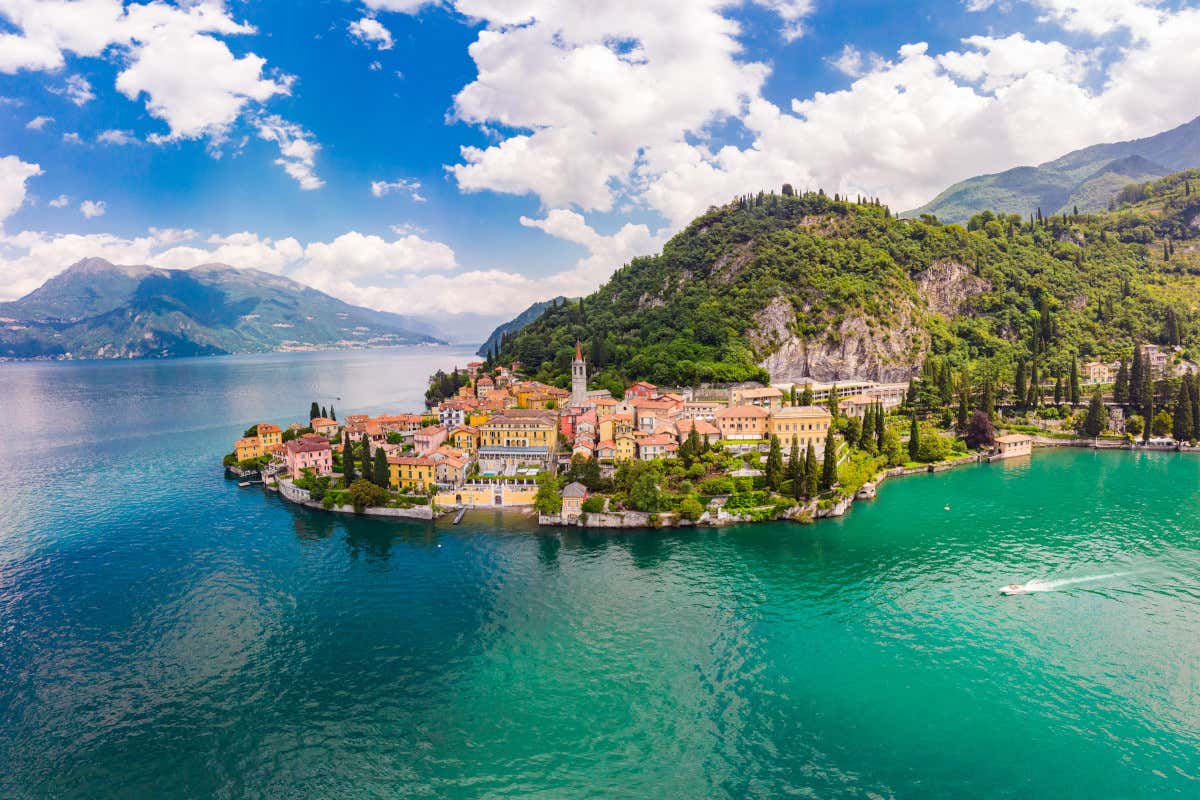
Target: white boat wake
1039 585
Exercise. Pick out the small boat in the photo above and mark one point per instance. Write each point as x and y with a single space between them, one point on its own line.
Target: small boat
1035 585
243 484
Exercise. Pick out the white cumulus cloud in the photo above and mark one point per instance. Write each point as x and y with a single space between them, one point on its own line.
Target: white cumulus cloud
39 122
117 137
173 58
297 149
13 174
409 186
93 208
370 31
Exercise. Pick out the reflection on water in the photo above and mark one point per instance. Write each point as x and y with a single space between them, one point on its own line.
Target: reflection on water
165 634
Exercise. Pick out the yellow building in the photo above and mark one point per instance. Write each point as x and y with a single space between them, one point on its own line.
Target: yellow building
477 418
519 438
614 425
624 448
412 473
803 425
497 494
269 435
247 448
465 438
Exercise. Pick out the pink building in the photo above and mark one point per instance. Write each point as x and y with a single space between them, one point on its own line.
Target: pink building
311 454
429 439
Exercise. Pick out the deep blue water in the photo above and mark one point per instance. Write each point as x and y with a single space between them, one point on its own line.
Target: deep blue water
165 634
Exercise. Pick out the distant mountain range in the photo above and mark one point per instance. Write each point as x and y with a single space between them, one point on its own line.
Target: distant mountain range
516 324
96 309
1086 179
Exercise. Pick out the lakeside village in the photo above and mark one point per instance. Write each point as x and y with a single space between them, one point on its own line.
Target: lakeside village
712 455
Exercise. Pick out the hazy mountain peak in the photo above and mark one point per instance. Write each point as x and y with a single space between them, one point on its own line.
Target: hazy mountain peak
97 309
1086 179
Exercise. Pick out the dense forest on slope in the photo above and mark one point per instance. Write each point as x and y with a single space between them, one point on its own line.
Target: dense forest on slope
493 342
799 275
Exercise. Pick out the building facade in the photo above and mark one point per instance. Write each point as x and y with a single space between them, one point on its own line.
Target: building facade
802 425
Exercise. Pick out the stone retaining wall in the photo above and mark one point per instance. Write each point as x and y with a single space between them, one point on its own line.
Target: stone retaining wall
293 493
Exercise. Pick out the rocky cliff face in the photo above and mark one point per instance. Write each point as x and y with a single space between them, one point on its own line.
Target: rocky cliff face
858 348
947 286
862 348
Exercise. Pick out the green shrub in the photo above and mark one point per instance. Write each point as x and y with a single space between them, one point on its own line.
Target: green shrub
691 509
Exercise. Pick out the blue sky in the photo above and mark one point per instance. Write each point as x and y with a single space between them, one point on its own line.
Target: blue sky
523 148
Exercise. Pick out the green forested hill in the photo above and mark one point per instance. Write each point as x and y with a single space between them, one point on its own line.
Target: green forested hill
812 285
1083 180
516 323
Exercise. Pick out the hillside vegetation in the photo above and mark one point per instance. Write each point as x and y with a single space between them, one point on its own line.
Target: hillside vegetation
809 284
1082 181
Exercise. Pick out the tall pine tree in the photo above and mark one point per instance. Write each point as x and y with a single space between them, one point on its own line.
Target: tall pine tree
1019 388
379 474
829 466
368 465
1074 385
812 472
774 465
880 427
914 440
348 473
1147 403
796 469
1182 421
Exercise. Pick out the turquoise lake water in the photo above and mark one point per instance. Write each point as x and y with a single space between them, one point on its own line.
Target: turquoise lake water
164 634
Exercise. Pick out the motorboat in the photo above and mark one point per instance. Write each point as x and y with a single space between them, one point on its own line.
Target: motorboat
1035 585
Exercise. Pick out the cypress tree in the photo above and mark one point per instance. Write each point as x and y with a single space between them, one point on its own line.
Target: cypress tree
368 465
1136 378
914 440
796 469
880 427
1094 424
866 437
829 467
314 410
1121 389
1058 390
324 412
964 399
1147 405
774 465
1074 386
380 472
348 474
1019 384
987 400
811 473
833 401
1182 427
1194 390
1035 387
332 414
